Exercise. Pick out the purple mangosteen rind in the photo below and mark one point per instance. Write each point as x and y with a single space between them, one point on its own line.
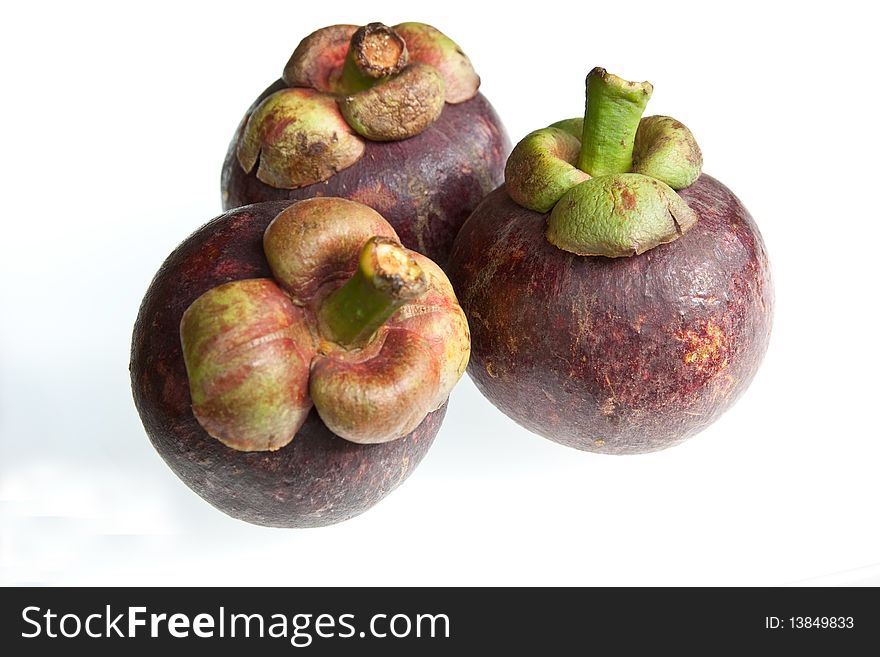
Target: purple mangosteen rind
316 479
614 355
425 186
391 117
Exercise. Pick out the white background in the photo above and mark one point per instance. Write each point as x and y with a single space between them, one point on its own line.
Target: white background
115 121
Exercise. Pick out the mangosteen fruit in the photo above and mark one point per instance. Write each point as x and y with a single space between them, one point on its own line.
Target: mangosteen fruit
619 299
387 116
291 361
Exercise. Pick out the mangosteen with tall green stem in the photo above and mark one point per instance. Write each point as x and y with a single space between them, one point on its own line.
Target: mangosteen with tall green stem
619 299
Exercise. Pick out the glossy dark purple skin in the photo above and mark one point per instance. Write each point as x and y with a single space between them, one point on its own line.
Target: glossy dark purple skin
425 186
318 478
622 355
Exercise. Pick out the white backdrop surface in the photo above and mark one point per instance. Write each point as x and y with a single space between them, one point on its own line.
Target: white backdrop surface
115 122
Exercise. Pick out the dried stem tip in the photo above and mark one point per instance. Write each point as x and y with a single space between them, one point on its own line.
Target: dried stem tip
393 269
378 51
387 276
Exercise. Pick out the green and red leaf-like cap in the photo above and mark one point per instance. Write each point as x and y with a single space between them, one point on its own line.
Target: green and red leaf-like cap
608 179
352 322
347 84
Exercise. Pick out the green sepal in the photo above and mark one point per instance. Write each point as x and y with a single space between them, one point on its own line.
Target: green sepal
618 215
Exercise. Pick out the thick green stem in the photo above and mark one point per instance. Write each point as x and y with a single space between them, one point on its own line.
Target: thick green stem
375 53
352 80
387 277
613 110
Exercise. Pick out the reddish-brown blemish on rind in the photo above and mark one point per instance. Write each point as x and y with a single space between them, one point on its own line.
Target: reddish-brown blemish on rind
706 347
376 195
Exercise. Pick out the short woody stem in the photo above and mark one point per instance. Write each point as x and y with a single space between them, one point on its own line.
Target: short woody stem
376 52
387 277
613 110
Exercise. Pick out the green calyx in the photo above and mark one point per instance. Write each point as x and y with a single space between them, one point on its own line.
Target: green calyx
346 84
608 179
429 45
542 168
351 323
247 350
297 137
384 96
574 127
391 82
666 150
621 214
401 107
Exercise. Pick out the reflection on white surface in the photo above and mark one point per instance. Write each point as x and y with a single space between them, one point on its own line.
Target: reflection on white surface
867 576
491 504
